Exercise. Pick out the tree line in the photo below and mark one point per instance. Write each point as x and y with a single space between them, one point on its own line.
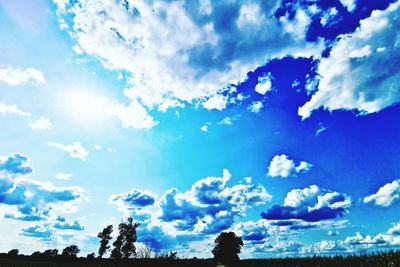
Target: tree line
226 251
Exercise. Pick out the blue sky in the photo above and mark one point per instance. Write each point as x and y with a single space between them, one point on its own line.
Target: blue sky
277 120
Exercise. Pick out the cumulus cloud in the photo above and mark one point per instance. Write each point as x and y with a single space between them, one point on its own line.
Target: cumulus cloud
133 200
282 166
255 106
310 204
27 199
356 243
16 76
15 164
63 225
6 109
349 4
42 123
226 121
204 128
329 17
217 102
281 247
264 84
352 78
386 195
253 232
175 52
75 150
210 206
388 239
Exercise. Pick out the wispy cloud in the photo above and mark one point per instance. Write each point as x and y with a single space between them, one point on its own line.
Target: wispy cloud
16 76
75 150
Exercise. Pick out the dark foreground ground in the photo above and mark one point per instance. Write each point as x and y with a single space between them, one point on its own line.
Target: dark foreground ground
388 259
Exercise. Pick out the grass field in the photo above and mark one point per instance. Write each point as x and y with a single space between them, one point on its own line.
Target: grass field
388 259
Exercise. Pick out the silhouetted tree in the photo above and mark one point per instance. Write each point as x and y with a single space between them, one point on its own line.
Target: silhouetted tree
128 248
50 253
124 246
227 248
105 237
70 251
36 254
13 253
116 252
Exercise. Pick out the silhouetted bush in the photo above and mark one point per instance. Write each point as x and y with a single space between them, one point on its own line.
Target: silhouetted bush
13 253
70 251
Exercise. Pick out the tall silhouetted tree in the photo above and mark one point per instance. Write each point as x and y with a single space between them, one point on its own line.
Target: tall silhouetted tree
227 248
128 248
124 246
116 251
70 251
105 237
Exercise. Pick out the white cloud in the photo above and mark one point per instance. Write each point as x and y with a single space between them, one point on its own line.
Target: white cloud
64 176
282 166
394 230
208 207
255 106
249 16
352 78
217 102
226 121
349 4
75 150
386 195
42 123
15 76
204 128
12 110
133 115
167 56
329 16
264 84
333 233
29 200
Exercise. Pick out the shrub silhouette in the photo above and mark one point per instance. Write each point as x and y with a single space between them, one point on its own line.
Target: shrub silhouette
70 251
90 256
13 253
50 253
227 248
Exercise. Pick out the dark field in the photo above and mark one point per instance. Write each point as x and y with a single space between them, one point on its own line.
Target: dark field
388 259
